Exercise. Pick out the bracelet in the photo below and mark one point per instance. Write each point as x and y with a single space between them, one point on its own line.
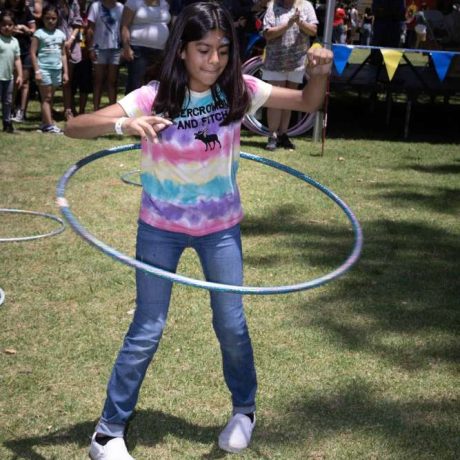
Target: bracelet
37 71
119 125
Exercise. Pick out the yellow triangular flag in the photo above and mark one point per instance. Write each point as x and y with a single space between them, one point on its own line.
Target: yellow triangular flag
391 58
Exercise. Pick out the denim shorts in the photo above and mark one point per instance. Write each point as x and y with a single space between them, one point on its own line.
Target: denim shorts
51 77
108 56
296 76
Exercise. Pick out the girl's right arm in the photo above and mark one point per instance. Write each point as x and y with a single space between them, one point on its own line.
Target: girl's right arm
103 122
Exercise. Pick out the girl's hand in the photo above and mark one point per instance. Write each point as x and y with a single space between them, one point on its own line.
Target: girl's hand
19 82
319 61
38 76
65 78
146 127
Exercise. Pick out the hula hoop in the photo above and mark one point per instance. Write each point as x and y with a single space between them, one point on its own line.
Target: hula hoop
305 122
174 277
60 229
125 177
2 295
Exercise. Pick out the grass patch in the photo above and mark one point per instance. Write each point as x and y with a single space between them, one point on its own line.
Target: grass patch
365 367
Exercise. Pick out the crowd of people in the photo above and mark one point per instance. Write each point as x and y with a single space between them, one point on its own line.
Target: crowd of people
79 46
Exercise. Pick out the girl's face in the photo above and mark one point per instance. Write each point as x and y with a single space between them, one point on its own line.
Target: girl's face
206 59
50 20
7 27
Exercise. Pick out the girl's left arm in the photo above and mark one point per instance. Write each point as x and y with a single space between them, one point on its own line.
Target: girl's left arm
310 99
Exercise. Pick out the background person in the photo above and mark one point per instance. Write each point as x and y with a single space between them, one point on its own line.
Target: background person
103 41
23 30
9 62
49 61
144 31
288 24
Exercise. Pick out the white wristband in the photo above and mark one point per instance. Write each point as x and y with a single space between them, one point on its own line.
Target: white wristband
119 125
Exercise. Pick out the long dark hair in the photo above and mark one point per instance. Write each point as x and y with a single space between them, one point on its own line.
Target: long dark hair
192 24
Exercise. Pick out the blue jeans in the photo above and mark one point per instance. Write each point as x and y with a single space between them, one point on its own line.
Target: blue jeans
145 60
221 258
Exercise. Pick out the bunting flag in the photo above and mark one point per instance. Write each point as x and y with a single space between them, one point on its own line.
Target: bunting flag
391 58
441 61
341 55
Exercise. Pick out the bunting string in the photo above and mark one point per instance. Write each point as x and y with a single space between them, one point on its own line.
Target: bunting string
392 57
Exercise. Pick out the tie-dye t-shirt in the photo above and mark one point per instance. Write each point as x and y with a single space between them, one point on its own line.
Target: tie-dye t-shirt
189 178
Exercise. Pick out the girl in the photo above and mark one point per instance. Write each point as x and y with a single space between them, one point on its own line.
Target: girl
190 199
103 41
9 62
50 64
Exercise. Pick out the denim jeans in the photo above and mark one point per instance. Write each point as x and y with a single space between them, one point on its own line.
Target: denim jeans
145 60
221 258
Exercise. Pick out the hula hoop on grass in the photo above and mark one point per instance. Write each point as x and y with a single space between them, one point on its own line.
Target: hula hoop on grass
125 177
58 230
174 277
2 296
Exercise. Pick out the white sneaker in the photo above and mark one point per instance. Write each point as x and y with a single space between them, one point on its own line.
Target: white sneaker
236 436
19 116
115 449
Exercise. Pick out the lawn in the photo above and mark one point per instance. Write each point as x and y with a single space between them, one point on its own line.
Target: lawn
365 367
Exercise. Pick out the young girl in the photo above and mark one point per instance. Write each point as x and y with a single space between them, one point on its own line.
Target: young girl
10 61
190 199
50 64
104 41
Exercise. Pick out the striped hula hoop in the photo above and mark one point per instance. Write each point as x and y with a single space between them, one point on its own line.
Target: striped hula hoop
174 277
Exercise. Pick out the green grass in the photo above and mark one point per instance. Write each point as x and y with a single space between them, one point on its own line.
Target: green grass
365 367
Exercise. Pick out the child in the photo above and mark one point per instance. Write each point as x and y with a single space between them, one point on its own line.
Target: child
104 19
190 199
50 64
10 59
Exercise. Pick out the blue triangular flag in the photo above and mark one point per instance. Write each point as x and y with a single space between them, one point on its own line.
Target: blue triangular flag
441 61
341 55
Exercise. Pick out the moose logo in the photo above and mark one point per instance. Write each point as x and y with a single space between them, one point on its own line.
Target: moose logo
208 140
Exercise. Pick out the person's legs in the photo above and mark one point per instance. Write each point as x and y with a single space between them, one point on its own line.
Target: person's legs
68 94
6 95
99 75
285 117
136 69
46 96
112 80
221 257
162 249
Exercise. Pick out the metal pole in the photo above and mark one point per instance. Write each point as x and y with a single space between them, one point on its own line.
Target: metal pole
327 42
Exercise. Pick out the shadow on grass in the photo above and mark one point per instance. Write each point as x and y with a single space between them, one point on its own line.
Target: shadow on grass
147 428
353 117
407 282
410 429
